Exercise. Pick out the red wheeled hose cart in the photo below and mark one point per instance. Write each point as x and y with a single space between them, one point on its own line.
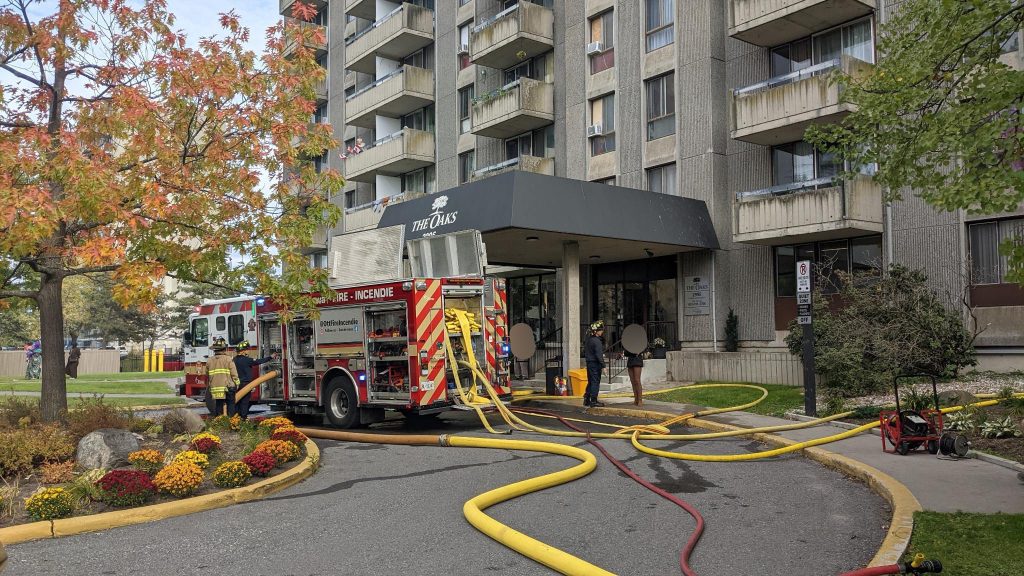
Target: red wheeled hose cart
909 430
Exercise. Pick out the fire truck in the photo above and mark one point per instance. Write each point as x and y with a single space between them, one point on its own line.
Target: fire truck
372 346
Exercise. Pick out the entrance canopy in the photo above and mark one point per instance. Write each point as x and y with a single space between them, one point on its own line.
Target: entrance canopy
526 218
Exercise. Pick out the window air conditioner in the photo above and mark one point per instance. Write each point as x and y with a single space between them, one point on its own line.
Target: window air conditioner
594 130
463 48
594 48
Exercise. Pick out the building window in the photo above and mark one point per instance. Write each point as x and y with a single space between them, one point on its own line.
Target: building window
800 162
464 2
537 68
463 51
660 17
855 39
859 257
465 109
422 181
420 59
602 31
320 114
467 164
987 265
318 260
661 106
602 114
320 162
608 181
539 143
422 119
662 179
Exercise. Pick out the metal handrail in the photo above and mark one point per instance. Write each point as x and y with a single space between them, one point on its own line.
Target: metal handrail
790 188
377 23
809 72
496 167
376 83
495 18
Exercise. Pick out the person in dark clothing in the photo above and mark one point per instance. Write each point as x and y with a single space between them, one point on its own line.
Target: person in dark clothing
74 356
635 366
594 354
244 365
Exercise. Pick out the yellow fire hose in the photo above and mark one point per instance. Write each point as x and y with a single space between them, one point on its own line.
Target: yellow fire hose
252 385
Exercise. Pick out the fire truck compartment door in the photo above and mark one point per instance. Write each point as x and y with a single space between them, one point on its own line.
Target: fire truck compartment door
367 256
448 255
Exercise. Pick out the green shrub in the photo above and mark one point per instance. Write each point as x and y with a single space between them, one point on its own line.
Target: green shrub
24 448
886 326
1004 428
962 421
94 414
17 411
732 332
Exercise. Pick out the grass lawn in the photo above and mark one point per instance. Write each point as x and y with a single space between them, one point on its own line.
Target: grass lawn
90 387
780 398
131 376
122 401
971 544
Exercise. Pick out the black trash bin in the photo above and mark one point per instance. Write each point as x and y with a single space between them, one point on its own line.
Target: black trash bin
552 370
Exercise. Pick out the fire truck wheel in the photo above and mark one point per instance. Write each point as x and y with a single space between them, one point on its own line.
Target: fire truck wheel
341 405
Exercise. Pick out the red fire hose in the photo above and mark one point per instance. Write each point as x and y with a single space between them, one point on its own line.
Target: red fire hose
684 555
916 566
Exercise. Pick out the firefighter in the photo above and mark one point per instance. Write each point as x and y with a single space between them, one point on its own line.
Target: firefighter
244 365
594 354
221 380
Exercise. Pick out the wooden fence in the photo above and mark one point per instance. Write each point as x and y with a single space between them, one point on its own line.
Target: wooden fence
12 363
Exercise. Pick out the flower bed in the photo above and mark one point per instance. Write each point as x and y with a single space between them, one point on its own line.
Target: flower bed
42 483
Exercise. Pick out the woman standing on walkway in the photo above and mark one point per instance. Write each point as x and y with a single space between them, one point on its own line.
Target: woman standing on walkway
635 366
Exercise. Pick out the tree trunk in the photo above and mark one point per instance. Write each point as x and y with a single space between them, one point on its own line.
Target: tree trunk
53 402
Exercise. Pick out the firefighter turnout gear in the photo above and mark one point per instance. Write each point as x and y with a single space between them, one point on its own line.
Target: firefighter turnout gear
221 377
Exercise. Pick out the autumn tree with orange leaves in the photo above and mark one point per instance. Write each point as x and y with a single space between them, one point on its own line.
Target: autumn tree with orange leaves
126 150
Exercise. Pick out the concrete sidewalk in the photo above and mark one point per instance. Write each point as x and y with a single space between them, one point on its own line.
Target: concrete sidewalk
939 483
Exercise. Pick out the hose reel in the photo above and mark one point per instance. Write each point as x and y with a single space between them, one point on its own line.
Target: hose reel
955 445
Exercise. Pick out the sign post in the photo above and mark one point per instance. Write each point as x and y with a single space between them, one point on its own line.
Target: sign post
804 318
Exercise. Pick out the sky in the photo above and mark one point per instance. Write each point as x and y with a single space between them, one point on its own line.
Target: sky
199 18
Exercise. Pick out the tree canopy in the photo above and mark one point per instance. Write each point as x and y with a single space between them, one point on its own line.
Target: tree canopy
942 114
126 149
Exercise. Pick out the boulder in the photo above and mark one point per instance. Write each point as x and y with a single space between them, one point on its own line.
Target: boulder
180 421
956 398
106 448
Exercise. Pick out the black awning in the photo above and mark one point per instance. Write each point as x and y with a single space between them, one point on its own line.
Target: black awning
525 218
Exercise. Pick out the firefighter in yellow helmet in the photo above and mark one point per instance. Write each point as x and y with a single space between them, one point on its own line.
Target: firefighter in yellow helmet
221 380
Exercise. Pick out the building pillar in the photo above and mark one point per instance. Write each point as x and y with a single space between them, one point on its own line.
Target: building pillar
571 306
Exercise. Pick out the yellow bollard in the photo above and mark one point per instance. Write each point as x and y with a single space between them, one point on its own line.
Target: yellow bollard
145 360
160 360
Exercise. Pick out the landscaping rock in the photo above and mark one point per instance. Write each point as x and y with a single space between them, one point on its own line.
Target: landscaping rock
956 398
107 448
180 421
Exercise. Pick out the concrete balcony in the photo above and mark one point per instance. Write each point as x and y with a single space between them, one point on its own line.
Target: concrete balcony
780 110
368 215
808 211
393 155
406 89
501 41
320 88
524 163
365 9
319 241
521 106
317 45
285 6
403 31
773 22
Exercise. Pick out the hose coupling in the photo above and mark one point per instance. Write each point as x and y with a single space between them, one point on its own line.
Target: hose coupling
921 566
442 440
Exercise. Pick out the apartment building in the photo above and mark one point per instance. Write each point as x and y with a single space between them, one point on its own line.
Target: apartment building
706 100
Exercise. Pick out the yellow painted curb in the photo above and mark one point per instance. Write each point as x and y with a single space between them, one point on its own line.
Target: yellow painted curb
117 518
903 503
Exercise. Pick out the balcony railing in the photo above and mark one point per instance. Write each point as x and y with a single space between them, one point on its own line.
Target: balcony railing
366 216
318 46
774 22
365 9
398 34
524 163
809 211
518 107
320 89
519 32
780 109
406 89
393 155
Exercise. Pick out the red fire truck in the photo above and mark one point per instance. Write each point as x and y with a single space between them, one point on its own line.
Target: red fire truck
373 347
